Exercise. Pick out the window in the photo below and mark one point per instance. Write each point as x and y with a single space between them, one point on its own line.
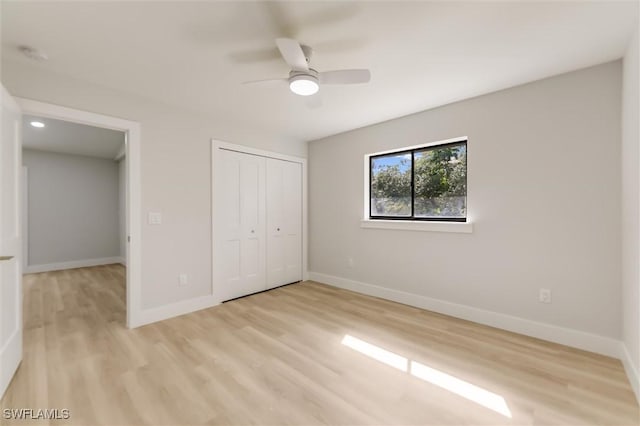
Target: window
426 183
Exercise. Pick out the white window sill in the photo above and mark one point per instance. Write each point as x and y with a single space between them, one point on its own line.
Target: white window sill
418 225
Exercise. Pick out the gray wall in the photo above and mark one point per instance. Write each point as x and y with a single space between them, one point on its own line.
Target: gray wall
631 209
73 207
544 195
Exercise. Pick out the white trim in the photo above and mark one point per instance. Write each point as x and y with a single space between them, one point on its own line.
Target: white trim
11 350
72 264
631 370
132 157
417 225
305 221
121 152
148 316
565 336
422 145
10 354
122 260
25 217
217 144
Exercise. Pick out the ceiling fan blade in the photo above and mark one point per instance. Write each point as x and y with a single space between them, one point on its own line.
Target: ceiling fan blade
292 54
345 77
268 80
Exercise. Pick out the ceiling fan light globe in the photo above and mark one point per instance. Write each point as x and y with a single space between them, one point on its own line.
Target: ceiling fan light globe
304 85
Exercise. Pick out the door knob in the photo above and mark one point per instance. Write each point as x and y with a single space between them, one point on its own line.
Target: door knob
253 231
6 257
278 229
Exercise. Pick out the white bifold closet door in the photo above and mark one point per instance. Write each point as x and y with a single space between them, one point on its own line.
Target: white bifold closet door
257 223
240 223
284 222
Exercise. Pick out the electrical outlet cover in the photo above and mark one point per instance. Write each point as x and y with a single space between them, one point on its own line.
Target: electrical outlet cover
183 280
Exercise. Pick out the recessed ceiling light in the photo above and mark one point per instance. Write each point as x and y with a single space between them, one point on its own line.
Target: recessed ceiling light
38 124
33 53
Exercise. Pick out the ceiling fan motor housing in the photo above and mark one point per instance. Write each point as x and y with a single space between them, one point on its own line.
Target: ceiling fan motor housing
310 73
308 52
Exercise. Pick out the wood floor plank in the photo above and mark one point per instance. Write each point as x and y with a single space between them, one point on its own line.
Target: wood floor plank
278 358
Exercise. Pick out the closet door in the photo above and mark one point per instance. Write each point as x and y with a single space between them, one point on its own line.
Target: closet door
239 210
284 222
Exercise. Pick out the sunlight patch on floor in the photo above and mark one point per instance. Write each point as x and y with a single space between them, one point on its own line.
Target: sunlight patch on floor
436 377
376 352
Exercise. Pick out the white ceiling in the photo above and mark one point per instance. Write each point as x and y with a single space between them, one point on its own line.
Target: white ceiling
71 138
195 55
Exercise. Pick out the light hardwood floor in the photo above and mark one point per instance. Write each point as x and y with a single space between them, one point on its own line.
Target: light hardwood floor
282 358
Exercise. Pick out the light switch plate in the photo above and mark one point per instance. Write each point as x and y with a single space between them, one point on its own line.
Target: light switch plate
155 218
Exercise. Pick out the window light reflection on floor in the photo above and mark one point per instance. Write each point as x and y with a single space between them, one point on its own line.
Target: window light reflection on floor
376 352
452 384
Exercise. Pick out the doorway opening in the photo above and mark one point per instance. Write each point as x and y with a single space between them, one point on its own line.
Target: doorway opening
74 208
100 171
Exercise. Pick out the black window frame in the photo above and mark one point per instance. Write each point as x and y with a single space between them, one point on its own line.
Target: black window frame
412 151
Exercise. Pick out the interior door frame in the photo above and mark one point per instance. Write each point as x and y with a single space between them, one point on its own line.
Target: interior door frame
25 215
133 211
216 145
11 349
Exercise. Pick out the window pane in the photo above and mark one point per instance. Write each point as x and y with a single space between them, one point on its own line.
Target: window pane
391 185
440 177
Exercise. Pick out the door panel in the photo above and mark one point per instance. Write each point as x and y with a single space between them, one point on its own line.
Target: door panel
275 221
257 223
239 211
232 263
10 265
284 222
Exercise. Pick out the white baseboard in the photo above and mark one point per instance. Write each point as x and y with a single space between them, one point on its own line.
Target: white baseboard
10 356
148 316
565 336
47 267
122 260
631 369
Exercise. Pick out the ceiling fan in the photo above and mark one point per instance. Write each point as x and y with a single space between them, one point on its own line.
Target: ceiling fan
306 81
